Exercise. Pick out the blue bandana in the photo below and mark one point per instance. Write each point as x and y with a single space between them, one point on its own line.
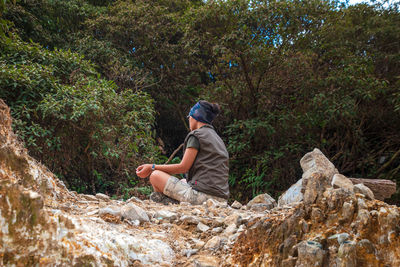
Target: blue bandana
202 113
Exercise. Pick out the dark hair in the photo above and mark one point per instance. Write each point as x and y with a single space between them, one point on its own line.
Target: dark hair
214 107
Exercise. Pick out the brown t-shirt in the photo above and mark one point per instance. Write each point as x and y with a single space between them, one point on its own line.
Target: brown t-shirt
209 172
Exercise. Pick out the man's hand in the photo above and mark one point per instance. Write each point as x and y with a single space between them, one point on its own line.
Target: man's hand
144 170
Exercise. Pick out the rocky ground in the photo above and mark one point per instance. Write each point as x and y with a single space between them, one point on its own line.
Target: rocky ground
323 220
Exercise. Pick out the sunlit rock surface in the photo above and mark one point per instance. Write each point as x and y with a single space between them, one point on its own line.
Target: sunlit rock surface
334 225
44 224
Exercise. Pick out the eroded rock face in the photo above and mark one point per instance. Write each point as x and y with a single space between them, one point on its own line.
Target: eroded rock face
336 224
292 195
44 224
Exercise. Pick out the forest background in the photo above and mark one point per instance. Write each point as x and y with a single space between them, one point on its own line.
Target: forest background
97 87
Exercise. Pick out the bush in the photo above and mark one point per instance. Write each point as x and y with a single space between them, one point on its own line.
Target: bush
87 130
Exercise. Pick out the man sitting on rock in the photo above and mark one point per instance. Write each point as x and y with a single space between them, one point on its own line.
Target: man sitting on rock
205 161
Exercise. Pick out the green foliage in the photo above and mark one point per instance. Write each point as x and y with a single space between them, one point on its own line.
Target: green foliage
80 125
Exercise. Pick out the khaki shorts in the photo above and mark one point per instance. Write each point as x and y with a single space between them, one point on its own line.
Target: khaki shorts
183 192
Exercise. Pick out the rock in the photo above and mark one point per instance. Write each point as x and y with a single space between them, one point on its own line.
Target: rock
112 210
289 262
348 211
197 212
341 181
134 199
89 197
314 187
132 212
365 246
363 218
214 243
316 161
341 238
205 261
317 175
198 244
288 247
236 205
347 255
310 254
382 189
233 238
202 227
102 197
259 207
317 215
217 230
264 199
211 203
189 252
335 198
230 230
362 189
361 204
293 194
189 219
388 219
234 218
165 215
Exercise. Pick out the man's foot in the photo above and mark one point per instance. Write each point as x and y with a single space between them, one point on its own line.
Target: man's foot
161 198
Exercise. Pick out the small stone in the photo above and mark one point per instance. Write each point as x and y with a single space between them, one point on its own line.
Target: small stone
112 210
214 243
134 199
341 181
165 215
217 230
362 189
231 229
102 197
205 261
197 212
202 227
241 228
211 203
132 212
236 205
198 244
93 212
189 252
259 207
265 199
232 219
189 219
342 238
89 197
